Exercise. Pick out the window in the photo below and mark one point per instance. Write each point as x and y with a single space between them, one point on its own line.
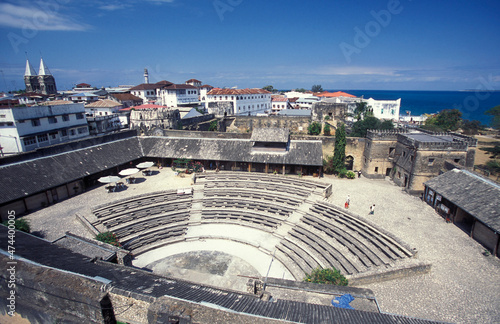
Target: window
430 161
79 116
411 158
64 132
35 122
65 117
72 132
29 140
399 175
21 121
404 153
3 116
82 130
382 111
42 138
53 135
52 120
391 150
376 169
457 160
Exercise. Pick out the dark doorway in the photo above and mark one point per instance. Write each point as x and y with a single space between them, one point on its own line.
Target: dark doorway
349 162
388 172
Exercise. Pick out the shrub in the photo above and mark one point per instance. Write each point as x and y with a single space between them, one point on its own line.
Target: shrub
314 128
327 130
343 173
20 224
330 276
108 237
350 175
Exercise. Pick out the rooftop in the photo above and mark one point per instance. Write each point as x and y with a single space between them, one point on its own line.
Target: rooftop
104 103
334 94
217 91
279 135
476 195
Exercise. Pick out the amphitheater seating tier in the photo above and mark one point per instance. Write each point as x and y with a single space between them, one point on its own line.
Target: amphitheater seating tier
311 233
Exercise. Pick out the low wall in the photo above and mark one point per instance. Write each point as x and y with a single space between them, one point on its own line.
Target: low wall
398 273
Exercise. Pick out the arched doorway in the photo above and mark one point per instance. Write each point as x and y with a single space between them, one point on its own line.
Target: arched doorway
349 162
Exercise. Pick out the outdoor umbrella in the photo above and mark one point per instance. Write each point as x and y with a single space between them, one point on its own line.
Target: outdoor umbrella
109 179
145 165
128 172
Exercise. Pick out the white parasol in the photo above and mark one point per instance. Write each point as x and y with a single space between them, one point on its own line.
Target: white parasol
109 179
128 172
145 165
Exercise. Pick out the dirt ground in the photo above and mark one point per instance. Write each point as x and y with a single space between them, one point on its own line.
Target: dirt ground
482 156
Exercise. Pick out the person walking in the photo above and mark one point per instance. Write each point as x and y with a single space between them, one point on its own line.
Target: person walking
348 201
372 209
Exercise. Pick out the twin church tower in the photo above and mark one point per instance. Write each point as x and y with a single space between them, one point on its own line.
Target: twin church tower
43 82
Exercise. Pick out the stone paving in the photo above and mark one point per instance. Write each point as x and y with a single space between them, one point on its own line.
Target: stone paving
463 285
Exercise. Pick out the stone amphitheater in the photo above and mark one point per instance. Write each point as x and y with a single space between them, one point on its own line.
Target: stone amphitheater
229 226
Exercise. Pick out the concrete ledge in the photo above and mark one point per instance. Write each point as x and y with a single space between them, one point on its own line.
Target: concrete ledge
379 276
94 231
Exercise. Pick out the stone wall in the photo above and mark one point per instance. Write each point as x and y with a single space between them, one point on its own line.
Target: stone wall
148 119
244 124
198 122
336 111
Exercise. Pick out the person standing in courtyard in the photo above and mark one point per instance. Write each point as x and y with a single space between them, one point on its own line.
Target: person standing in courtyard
372 209
348 201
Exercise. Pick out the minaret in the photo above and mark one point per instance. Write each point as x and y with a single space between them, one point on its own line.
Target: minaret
146 76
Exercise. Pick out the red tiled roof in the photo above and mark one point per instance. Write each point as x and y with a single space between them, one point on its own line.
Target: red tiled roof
217 91
279 99
83 85
125 96
193 80
164 83
145 86
180 86
335 94
206 86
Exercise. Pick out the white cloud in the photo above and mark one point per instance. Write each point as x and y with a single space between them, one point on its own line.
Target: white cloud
32 17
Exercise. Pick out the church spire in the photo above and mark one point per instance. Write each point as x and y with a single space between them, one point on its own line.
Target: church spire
30 71
44 70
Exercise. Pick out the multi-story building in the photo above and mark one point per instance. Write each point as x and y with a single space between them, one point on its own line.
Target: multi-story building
279 103
166 93
231 102
27 128
411 157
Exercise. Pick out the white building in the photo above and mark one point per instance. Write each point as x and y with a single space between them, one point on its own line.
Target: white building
85 97
384 109
242 102
166 93
102 108
279 103
146 91
27 128
176 95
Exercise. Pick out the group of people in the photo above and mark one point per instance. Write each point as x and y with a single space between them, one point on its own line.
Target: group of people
348 202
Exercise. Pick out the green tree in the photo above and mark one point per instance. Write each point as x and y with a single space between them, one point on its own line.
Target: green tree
213 126
269 88
317 88
327 276
447 120
314 128
327 129
471 127
301 90
493 150
495 112
360 127
338 162
361 110
386 124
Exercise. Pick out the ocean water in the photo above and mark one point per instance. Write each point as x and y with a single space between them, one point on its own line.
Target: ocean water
472 104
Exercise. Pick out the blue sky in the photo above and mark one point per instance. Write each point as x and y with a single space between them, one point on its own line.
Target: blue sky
366 44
